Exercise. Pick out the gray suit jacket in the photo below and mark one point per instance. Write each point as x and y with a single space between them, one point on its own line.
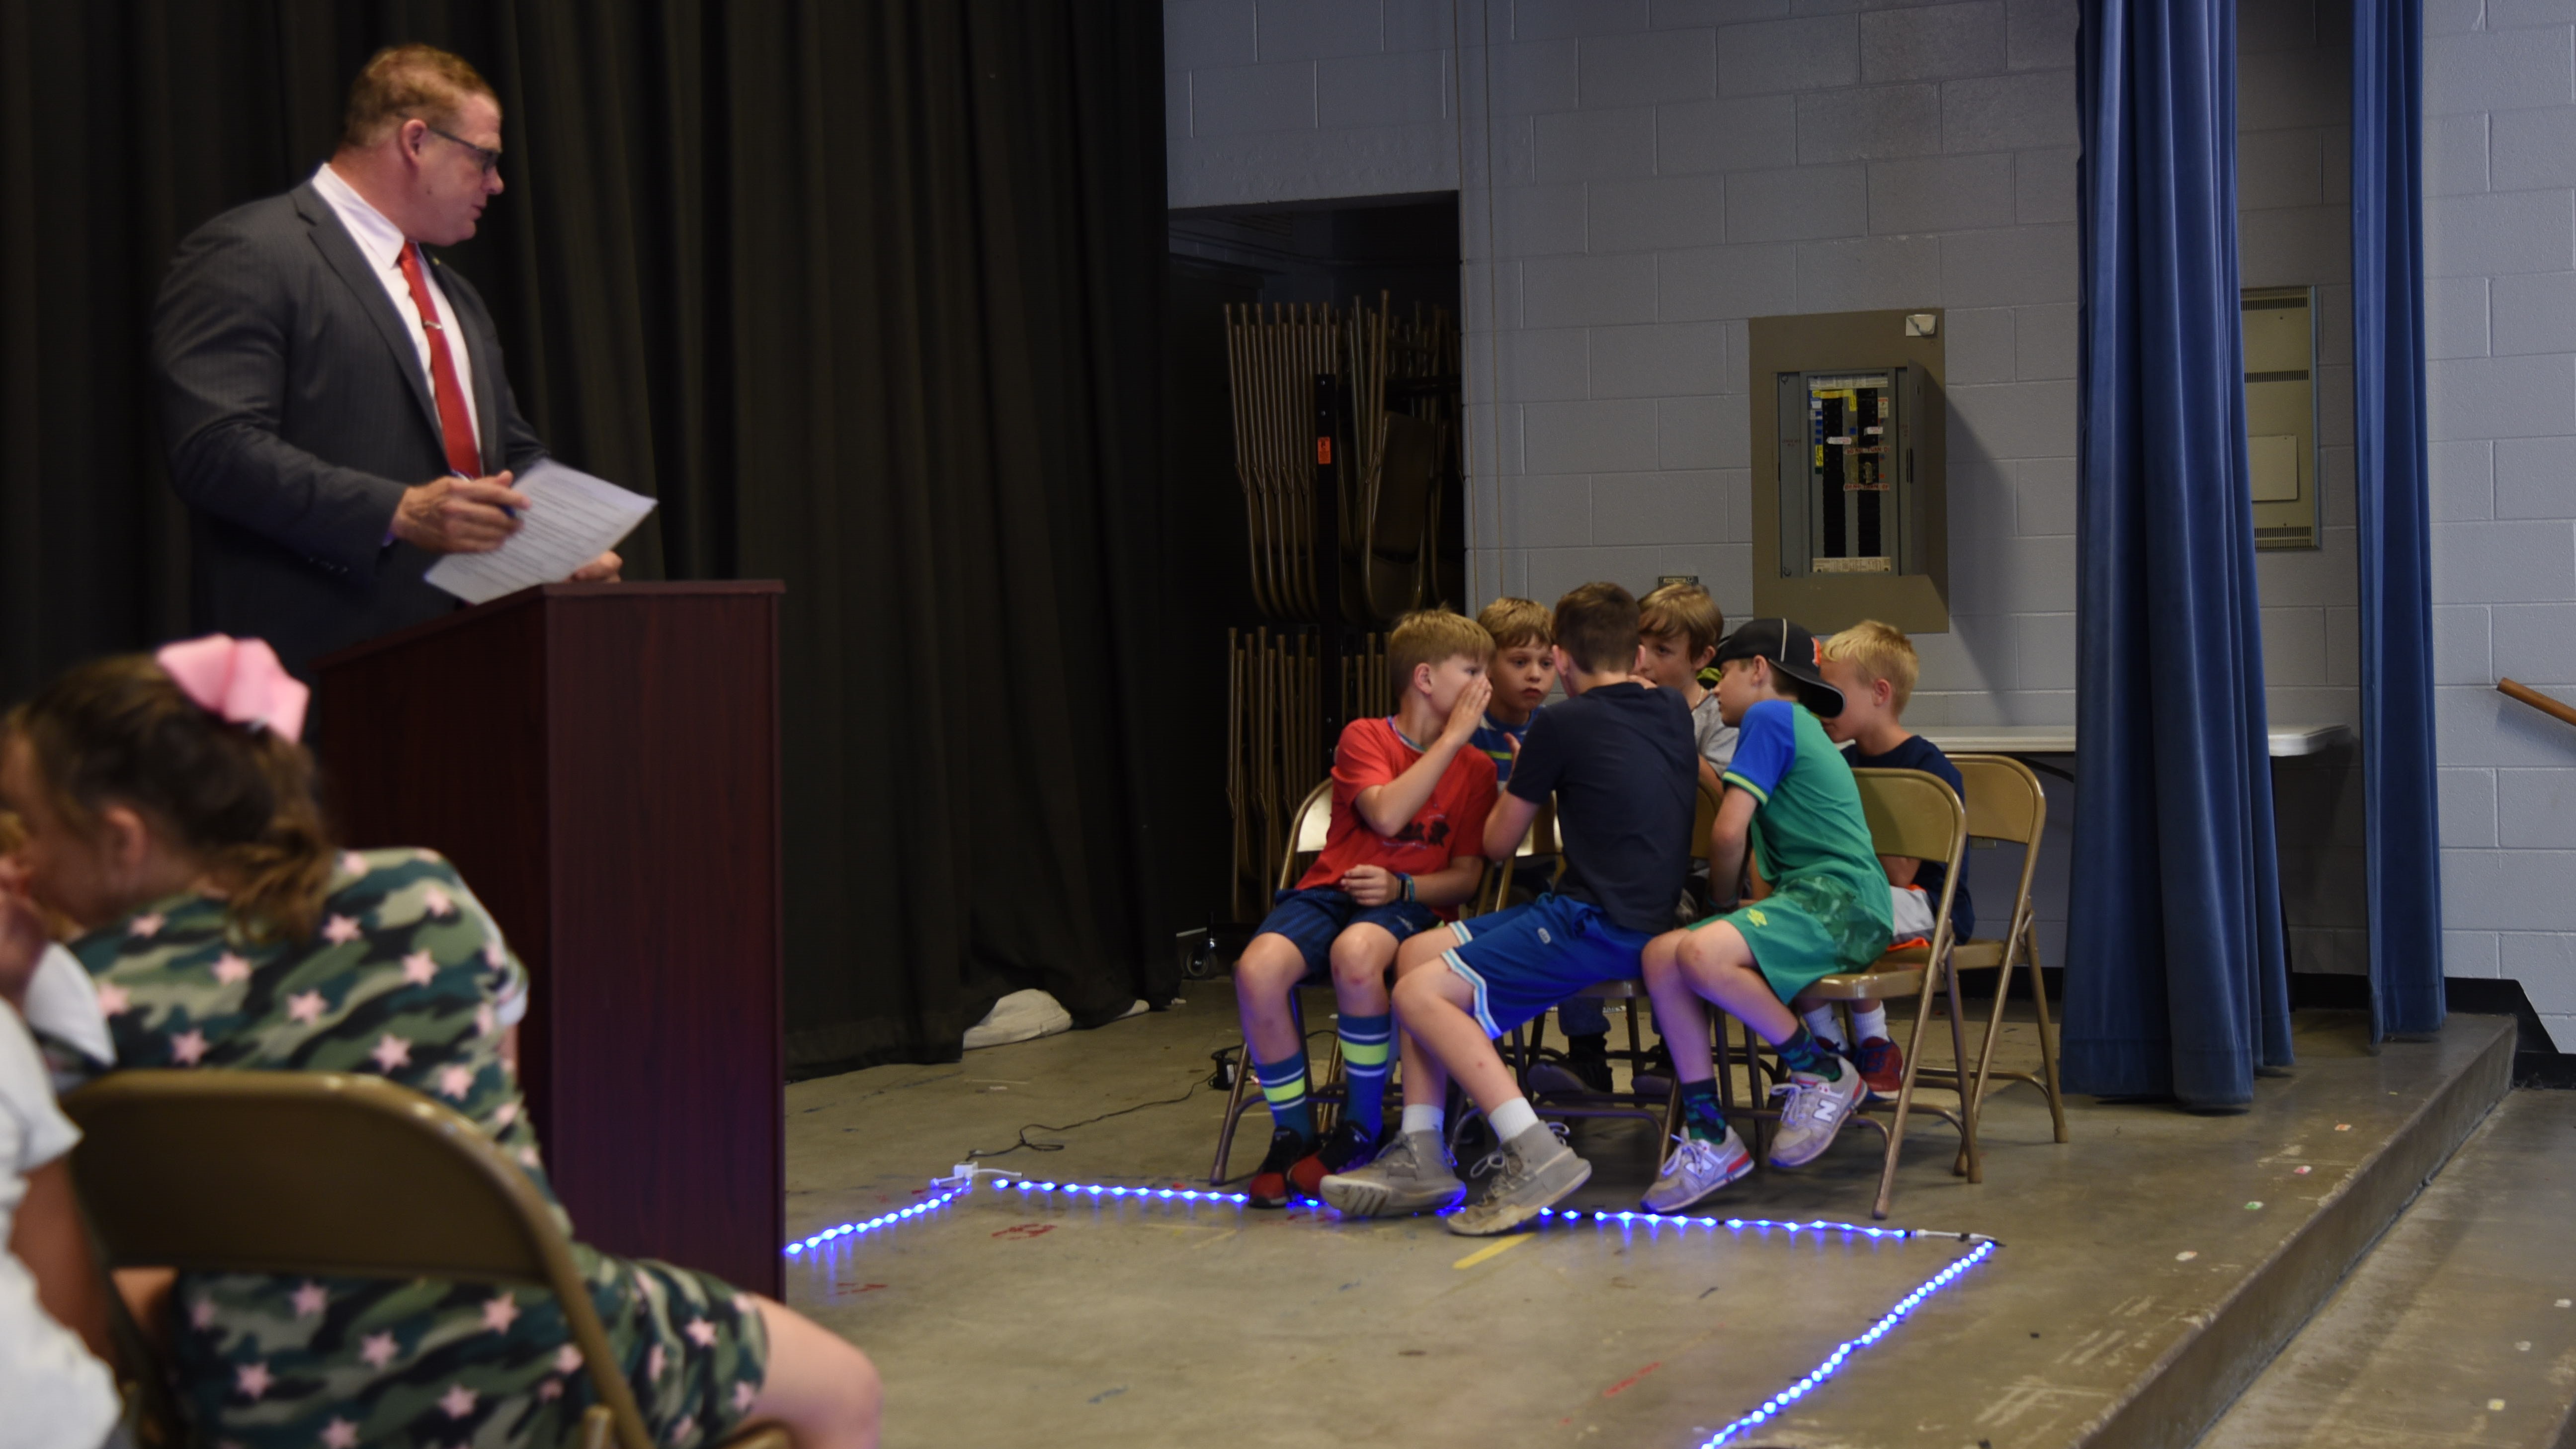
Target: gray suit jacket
295 413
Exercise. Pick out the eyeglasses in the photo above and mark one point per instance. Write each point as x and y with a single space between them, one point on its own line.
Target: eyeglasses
490 158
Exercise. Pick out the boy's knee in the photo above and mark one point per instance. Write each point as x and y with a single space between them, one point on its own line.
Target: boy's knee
1415 990
1358 961
1269 966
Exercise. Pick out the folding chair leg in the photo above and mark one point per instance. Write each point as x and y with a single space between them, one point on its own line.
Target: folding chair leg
1234 1105
2047 1051
1975 1101
1904 1099
1968 1161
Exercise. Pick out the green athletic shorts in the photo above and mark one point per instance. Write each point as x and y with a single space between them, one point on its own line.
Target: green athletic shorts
1809 928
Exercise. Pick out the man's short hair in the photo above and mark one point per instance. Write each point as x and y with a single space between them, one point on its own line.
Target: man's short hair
1517 622
1429 636
1879 651
1684 609
1597 624
401 82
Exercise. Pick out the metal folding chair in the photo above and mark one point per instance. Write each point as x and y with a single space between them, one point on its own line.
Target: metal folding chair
324 1174
1306 832
2005 802
1913 814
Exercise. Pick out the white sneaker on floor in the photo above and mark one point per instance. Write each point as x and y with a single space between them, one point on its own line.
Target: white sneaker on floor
1814 1112
1697 1168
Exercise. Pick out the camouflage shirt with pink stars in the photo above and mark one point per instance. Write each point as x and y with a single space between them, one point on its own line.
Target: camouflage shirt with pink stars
407 978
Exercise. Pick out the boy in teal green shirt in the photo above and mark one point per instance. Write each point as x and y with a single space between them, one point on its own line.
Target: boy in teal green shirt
1790 799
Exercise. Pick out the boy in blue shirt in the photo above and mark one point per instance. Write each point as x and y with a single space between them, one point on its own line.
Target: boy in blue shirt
1619 759
1822 907
1874 665
1522 673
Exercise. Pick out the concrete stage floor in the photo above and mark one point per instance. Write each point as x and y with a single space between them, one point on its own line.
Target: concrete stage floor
2150 1266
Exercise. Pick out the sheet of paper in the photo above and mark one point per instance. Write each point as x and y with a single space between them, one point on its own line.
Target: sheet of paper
571 519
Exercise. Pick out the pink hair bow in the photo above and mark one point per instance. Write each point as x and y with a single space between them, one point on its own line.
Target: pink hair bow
239 679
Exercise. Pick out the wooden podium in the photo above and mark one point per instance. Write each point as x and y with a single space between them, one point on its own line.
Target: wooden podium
601 763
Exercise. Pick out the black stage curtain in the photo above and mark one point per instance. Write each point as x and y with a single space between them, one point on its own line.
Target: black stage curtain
866 292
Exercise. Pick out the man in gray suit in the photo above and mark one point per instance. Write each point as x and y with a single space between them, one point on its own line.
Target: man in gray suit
331 397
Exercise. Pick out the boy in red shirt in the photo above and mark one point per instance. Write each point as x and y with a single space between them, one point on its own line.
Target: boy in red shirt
1409 803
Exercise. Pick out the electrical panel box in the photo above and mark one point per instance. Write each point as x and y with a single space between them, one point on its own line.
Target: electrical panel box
1850 514
1848 504
2280 332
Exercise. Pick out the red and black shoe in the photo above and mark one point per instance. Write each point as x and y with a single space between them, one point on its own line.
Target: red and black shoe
1269 1185
1342 1149
1882 1065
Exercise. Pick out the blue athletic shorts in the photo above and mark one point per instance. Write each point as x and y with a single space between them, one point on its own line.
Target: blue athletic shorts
1310 919
1528 958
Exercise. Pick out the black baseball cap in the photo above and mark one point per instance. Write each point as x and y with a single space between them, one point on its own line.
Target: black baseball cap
1794 652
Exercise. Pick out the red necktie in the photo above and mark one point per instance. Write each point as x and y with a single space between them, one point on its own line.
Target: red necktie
463 454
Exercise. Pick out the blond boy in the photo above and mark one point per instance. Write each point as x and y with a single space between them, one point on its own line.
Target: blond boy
1410 797
1875 667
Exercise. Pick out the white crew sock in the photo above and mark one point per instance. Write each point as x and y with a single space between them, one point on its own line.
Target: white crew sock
1870 1023
1424 1119
1827 1029
1512 1119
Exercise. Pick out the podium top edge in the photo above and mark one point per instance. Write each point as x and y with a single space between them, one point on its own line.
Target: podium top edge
544 593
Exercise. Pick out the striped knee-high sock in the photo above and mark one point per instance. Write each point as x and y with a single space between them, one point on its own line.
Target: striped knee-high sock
1283 1082
1367 1046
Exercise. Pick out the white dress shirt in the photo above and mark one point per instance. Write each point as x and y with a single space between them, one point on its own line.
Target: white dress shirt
381 243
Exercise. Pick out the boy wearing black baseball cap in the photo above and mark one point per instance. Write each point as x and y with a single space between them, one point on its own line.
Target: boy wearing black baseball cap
1791 799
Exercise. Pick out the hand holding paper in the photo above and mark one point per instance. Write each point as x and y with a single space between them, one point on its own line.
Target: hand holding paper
572 518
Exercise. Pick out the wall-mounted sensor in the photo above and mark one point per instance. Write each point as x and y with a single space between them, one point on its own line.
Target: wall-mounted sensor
1922 324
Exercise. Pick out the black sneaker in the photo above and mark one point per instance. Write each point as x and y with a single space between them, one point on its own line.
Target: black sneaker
1269 1185
1588 1057
1342 1149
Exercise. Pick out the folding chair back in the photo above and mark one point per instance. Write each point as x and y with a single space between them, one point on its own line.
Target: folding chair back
1307 831
323 1174
2005 802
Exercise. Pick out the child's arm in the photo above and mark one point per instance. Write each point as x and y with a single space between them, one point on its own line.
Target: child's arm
1728 838
48 1237
1507 825
1375 885
1900 869
1385 808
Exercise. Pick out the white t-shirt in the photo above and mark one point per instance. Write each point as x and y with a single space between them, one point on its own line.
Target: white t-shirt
56 1393
1715 737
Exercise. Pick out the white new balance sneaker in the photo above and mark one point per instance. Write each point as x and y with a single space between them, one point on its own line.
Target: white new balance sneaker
1815 1110
1696 1169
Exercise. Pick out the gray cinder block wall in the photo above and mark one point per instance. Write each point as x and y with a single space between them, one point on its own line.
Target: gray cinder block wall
2500 304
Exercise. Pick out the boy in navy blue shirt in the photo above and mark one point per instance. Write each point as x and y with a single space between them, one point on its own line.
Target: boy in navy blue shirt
1619 758
1875 666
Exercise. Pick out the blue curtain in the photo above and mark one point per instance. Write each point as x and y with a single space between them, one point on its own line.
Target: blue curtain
2403 831
2175 978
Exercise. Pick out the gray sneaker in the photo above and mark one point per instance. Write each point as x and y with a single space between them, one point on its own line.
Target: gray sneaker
1411 1176
1696 1169
1815 1111
1538 1171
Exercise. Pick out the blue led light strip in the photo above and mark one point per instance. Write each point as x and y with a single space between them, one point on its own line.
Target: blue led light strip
1834 1362
874 1223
